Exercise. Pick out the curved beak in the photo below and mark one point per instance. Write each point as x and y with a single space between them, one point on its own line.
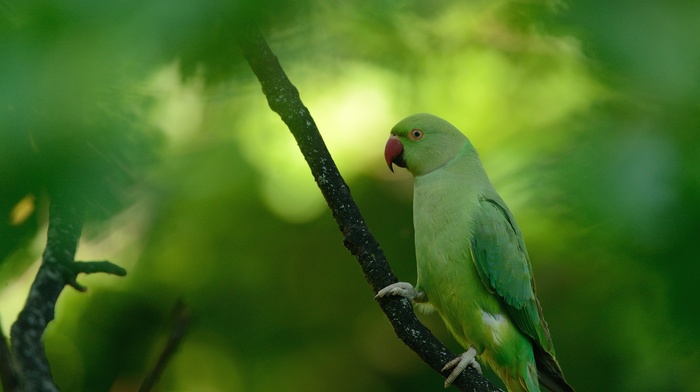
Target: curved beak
393 153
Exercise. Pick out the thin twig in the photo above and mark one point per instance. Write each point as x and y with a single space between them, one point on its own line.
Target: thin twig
182 319
7 375
284 99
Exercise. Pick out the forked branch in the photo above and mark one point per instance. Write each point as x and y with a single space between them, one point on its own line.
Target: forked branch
58 269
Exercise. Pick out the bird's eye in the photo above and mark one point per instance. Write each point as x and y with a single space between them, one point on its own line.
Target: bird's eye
416 134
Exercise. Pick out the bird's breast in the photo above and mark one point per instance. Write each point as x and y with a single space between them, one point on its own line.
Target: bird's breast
444 211
443 222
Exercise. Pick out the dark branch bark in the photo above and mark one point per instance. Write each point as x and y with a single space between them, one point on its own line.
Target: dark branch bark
284 99
57 270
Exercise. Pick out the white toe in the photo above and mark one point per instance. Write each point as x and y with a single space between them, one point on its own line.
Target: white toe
458 364
401 289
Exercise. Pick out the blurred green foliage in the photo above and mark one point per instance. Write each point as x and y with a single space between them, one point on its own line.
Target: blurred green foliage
585 115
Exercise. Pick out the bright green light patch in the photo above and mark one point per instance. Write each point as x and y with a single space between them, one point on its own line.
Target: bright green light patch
353 114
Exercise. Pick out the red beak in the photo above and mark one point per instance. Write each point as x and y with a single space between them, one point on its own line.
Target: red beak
392 152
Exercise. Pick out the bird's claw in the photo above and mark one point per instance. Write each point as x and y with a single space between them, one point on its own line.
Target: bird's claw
459 363
401 289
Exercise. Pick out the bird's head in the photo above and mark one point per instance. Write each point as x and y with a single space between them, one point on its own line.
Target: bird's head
422 143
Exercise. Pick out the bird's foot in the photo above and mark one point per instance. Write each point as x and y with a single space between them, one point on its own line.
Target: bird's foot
401 289
460 363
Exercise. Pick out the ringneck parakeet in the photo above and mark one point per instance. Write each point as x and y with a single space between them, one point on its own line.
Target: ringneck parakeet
473 267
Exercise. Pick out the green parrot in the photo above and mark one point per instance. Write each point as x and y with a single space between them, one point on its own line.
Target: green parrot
473 267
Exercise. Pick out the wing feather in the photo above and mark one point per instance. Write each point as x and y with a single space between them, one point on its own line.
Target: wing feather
503 264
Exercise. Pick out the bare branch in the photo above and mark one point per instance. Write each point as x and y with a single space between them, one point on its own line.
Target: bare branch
284 99
7 374
57 270
181 315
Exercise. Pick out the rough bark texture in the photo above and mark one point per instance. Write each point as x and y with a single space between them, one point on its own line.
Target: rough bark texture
284 99
57 270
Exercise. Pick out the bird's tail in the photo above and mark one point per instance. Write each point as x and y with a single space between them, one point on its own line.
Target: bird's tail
549 373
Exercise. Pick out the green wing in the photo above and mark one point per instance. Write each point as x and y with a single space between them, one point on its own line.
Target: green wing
501 259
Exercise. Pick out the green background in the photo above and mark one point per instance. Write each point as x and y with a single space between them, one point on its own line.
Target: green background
585 114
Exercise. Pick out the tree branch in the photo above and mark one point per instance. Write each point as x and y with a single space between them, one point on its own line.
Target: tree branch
7 375
181 316
57 270
284 99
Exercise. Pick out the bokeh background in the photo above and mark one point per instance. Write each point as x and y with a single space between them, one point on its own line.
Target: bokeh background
586 115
